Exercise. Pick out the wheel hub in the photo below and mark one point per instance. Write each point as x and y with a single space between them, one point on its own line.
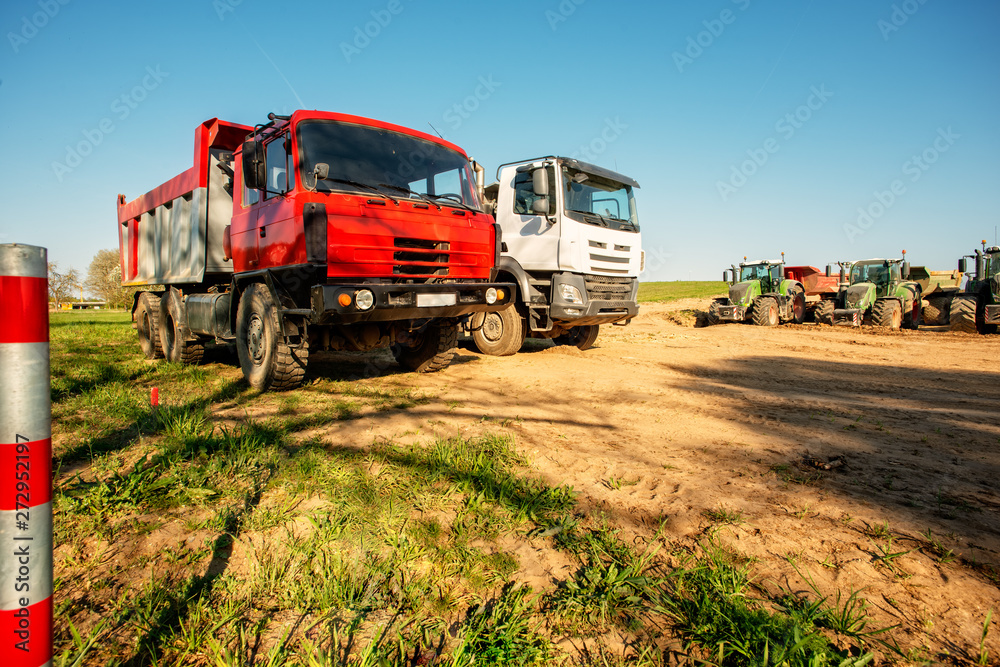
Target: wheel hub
492 327
255 338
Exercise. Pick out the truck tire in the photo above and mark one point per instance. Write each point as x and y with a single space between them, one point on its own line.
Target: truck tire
936 310
713 313
178 346
798 298
434 350
582 337
147 324
499 334
824 312
963 314
266 360
887 313
765 311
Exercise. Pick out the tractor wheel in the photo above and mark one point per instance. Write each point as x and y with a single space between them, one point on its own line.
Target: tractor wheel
266 360
178 344
713 313
434 348
765 311
147 324
824 312
499 334
936 310
887 313
582 337
963 314
798 298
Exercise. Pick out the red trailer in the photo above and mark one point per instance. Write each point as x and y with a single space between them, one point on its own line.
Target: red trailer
817 284
313 231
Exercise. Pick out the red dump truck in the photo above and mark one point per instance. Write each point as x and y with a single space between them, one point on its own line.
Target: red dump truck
314 231
817 284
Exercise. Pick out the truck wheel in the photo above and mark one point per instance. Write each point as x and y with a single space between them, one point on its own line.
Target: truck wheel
936 310
824 312
173 333
713 313
582 337
765 311
798 298
266 360
499 334
434 350
887 313
963 314
147 323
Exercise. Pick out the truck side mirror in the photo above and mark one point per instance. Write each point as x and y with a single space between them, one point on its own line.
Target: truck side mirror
254 174
906 270
540 182
829 271
961 265
540 206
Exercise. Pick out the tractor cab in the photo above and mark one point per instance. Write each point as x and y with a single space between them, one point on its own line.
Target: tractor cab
884 274
768 272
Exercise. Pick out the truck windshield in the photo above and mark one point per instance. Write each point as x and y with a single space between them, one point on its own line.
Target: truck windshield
606 199
363 159
877 272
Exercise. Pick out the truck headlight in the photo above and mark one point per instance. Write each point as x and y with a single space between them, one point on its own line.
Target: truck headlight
364 299
571 294
491 295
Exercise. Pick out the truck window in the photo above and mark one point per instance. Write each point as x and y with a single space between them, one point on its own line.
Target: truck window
279 166
524 192
250 197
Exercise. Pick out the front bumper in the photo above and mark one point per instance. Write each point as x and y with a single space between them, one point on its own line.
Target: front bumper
732 313
991 314
606 300
848 317
402 302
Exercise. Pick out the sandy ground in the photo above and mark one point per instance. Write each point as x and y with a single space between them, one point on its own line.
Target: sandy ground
835 446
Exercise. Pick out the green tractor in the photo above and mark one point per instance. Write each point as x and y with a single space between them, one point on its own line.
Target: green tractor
873 291
759 292
977 307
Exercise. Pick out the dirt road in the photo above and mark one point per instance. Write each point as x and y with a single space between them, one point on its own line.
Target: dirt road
835 450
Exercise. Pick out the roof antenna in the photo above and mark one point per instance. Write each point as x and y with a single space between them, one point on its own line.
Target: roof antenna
435 130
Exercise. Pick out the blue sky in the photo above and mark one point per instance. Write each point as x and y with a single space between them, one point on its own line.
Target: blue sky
826 129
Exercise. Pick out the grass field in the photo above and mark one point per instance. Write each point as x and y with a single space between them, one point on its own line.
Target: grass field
225 529
680 289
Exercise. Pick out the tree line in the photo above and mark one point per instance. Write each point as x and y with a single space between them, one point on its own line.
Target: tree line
103 282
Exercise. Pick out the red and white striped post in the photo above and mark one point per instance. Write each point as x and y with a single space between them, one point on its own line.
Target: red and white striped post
25 459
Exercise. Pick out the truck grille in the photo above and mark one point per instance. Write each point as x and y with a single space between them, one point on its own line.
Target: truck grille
617 291
417 257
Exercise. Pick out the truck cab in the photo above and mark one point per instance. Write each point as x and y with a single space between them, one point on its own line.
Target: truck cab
571 244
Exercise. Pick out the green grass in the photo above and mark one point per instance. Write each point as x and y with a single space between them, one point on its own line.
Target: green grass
681 289
234 528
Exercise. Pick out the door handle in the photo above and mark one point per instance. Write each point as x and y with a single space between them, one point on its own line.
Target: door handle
263 232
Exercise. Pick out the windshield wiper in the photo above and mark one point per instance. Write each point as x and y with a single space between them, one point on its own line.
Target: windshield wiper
604 221
452 202
370 188
408 191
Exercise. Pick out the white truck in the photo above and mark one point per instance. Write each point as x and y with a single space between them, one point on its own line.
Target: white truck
571 245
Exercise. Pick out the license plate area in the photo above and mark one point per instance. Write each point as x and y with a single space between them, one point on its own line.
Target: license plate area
432 300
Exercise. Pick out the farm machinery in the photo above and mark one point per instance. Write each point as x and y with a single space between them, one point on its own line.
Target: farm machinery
875 291
977 307
760 292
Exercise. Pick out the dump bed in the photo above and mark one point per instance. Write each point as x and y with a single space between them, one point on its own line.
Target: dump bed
173 234
932 282
815 281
